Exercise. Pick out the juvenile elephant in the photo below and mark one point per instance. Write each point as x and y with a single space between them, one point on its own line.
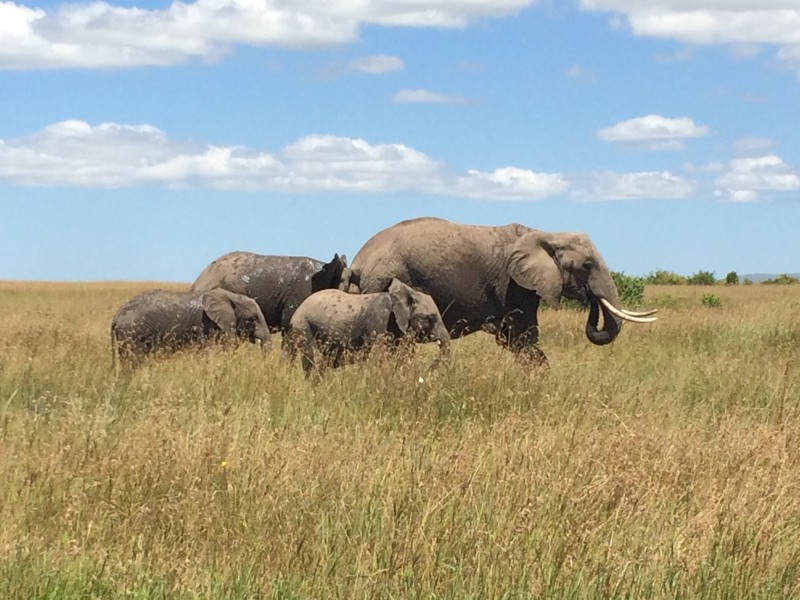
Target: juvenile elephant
334 323
160 320
277 283
493 278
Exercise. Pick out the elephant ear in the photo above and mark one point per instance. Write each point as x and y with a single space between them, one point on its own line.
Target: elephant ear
219 308
402 301
534 266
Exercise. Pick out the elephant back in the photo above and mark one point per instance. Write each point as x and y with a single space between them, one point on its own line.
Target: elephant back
230 271
277 283
157 316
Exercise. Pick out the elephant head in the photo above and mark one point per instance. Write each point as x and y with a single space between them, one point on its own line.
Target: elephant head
417 316
567 264
235 314
332 275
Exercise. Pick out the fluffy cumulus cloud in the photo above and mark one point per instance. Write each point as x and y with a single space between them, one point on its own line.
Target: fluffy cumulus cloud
75 153
654 131
110 155
745 178
98 34
645 185
510 183
736 23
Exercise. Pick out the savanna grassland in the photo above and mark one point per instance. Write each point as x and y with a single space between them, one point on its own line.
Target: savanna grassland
666 465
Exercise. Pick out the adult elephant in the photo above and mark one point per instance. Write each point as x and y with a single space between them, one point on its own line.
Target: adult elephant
493 278
279 284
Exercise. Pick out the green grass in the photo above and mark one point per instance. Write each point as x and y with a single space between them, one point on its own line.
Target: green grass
664 465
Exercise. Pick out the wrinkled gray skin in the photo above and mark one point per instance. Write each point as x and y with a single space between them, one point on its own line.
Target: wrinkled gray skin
277 283
160 320
492 278
332 325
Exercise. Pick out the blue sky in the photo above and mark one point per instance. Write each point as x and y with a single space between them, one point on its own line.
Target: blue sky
140 140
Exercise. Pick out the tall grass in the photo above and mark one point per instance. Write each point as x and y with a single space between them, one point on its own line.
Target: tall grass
664 465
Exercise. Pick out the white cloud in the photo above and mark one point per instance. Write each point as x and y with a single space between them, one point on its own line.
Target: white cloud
74 153
744 51
745 177
331 163
77 154
110 155
645 185
511 183
709 21
367 65
750 145
98 34
790 57
743 196
420 96
714 166
652 127
376 65
743 24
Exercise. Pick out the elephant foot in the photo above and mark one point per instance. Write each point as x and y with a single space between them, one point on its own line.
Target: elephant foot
532 356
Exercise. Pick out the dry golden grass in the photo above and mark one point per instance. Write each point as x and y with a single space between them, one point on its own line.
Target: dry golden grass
665 465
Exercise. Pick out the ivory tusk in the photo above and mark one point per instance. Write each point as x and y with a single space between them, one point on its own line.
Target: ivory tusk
618 313
646 313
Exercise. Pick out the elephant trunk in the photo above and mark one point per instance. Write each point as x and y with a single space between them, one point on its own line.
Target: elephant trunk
262 335
611 325
442 337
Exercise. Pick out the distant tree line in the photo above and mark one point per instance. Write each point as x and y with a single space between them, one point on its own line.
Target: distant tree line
707 278
631 288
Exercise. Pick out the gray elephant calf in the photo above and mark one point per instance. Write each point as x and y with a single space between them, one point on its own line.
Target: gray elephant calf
334 323
161 320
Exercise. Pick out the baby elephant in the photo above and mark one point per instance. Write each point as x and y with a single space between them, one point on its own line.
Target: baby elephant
165 321
333 323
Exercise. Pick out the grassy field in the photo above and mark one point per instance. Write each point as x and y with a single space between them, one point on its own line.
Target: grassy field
666 465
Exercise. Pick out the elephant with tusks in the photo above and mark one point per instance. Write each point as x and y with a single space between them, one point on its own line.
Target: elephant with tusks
493 278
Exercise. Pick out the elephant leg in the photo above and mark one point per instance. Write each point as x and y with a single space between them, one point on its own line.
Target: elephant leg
459 329
518 330
311 358
336 357
289 345
294 341
521 338
308 364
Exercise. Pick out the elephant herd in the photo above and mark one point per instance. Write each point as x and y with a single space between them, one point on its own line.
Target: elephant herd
420 280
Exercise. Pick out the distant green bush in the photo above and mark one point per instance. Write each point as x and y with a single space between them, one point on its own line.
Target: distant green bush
782 279
710 301
662 277
747 281
732 278
629 288
702 278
